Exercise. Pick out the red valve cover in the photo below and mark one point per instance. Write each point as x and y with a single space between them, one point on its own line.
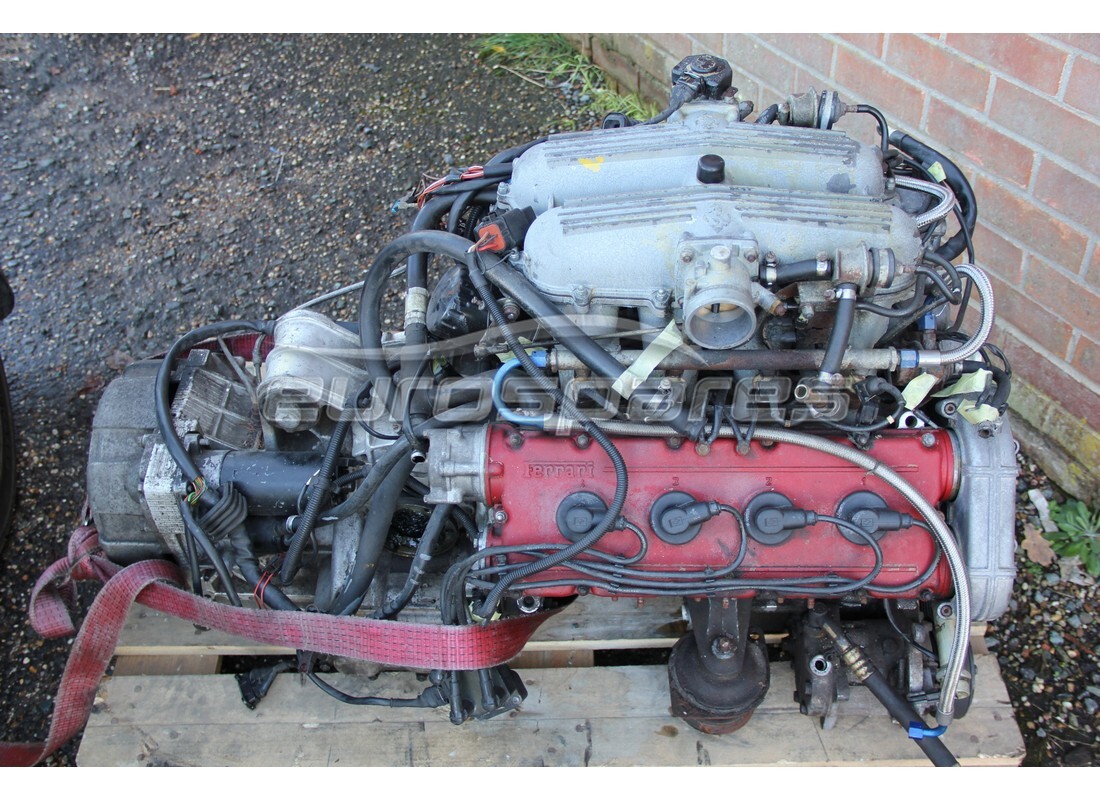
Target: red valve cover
528 480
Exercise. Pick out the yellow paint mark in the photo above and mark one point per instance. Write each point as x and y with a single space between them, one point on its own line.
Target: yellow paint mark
592 163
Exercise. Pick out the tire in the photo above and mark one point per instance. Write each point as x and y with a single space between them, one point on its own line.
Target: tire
7 461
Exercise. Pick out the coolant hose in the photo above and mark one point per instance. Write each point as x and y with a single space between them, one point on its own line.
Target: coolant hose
954 178
373 538
846 295
370 306
535 303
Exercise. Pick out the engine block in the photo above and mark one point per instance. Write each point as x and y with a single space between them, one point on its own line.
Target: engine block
701 356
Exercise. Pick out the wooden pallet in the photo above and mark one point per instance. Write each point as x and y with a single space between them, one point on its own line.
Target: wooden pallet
165 705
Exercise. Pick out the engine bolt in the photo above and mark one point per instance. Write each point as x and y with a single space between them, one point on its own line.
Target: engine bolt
583 441
722 646
511 310
928 440
500 516
751 256
515 440
702 449
674 442
661 298
687 254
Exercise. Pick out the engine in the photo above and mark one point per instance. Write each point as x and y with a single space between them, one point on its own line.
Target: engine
711 355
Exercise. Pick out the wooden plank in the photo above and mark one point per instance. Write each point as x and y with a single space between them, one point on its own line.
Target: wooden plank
603 623
201 664
553 659
590 716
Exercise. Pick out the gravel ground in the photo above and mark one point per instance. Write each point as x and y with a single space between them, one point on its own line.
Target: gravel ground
152 184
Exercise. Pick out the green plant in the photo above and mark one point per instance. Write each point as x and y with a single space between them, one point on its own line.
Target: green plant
1078 534
548 59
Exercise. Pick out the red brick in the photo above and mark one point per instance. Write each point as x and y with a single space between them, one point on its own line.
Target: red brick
867 42
811 49
1083 89
1068 297
1068 192
938 68
997 255
1089 42
615 64
1049 377
1093 275
990 150
1030 317
1021 56
711 42
678 44
897 98
1034 117
1026 221
1087 357
761 62
651 61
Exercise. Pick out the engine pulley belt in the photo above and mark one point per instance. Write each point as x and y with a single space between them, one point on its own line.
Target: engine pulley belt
150 583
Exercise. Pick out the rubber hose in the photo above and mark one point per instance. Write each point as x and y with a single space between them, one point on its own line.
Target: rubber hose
900 709
372 539
833 359
320 489
420 560
954 178
768 115
797 271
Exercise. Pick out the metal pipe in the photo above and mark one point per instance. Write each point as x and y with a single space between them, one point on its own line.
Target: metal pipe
938 358
684 359
942 191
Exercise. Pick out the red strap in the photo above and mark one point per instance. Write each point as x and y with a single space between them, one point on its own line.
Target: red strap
399 644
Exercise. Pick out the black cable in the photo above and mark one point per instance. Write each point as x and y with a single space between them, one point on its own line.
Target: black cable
549 386
768 115
886 604
681 93
197 534
884 130
357 402
430 698
419 564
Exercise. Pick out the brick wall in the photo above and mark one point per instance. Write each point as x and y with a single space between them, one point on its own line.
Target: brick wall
1020 114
